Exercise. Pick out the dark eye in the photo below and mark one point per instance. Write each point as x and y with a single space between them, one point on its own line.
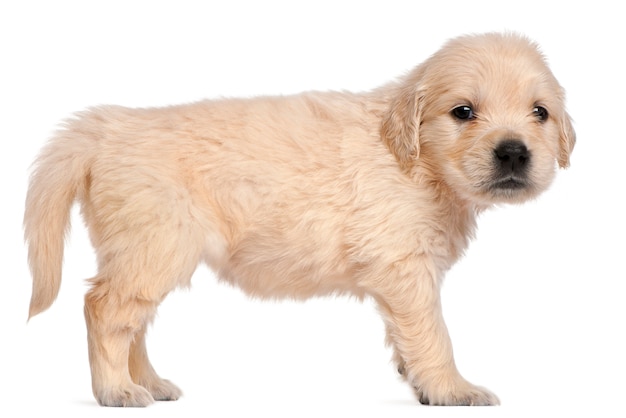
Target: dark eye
463 113
540 113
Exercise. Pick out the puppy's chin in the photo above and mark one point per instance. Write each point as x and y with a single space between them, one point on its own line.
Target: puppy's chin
495 190
510 190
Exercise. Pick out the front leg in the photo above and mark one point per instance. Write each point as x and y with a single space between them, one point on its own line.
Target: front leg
409 299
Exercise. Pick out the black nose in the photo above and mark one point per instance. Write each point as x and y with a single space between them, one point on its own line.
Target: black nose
513 157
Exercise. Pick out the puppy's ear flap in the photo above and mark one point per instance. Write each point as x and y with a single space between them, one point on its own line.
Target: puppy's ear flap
401 124
567 139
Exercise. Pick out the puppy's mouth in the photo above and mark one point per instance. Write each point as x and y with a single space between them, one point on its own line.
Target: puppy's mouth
511 183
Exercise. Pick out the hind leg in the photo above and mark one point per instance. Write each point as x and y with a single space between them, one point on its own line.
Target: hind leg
112 324
143 374
118 309
149 239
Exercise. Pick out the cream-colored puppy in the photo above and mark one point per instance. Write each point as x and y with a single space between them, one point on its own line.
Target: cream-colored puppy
372 194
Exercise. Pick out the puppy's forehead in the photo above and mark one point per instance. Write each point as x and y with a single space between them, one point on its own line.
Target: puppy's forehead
493 66
491 52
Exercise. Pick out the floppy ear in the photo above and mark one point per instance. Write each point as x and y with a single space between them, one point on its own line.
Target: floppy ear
400 126
567 139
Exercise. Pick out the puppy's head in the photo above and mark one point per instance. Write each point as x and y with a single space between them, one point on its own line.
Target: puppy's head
486 115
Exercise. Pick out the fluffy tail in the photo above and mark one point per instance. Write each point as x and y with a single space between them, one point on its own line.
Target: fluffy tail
60 174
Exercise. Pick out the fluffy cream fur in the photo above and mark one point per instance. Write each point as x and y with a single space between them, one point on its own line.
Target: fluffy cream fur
371 194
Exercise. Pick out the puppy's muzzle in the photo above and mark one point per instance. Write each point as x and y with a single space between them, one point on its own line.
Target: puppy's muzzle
512 160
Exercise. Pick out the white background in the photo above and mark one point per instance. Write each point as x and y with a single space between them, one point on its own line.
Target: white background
536 309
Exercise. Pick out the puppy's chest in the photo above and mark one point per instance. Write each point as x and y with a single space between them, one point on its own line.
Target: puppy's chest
444 234
459 230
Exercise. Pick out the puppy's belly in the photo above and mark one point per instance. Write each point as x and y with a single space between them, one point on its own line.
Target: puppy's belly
287 271
270 283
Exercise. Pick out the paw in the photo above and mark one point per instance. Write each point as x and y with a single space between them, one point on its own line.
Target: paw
163 390
456 393
129 395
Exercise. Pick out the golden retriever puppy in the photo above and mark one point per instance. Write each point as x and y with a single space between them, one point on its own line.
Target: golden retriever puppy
372 194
